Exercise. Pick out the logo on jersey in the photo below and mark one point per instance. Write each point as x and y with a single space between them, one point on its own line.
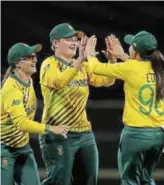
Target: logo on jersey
30 109
16 102
60 150
78 83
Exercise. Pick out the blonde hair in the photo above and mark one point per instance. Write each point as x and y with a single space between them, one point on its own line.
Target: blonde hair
6 75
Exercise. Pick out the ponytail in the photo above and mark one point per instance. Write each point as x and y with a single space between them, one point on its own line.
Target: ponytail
6 76
157 62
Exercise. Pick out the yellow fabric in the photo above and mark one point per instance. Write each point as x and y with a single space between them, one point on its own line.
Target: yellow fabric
18 107
65 91
141 108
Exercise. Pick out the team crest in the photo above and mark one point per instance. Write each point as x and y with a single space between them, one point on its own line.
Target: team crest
60 150
5 162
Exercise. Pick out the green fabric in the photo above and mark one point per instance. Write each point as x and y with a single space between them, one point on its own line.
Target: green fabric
139 152
62 61
63 30
20 50
143 42
60 155
18 165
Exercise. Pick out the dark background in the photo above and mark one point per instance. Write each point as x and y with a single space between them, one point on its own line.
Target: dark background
31 23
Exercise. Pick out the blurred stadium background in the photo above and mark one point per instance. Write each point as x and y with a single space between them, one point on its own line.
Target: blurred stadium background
31 22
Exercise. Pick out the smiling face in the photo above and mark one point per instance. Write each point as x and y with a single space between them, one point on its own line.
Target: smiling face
27 64
66 46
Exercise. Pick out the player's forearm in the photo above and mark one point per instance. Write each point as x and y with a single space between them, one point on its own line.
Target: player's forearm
103 69
100 81
108 81
100 68
65 77
68 75
24 124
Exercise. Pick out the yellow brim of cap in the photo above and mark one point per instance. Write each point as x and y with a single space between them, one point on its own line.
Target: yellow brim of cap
80 34
38 47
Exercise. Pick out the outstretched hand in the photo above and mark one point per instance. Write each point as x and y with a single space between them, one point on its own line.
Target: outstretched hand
90 49
82 55
82 46
116 49
111 59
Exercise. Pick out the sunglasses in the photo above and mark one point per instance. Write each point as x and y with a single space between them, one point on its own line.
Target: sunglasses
33 56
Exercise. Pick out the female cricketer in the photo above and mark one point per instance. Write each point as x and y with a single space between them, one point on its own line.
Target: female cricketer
142 138
18 106
65 88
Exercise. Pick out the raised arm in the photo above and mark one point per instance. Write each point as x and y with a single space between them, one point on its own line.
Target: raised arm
111 69
50 74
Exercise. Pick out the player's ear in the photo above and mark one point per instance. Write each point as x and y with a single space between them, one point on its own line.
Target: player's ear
56 43
17 65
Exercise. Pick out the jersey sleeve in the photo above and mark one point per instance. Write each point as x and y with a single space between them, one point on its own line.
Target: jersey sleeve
15 108
96 79
118 70
51 76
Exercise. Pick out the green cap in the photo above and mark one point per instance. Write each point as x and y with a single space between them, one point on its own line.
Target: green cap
143 42
64 30
20 50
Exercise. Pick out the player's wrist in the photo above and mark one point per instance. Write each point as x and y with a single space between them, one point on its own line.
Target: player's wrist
47 128
77 63
124 57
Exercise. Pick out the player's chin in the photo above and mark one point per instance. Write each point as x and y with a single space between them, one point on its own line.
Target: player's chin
33 70
72 54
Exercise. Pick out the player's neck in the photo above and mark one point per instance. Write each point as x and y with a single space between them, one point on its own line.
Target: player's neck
22 76
62 56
